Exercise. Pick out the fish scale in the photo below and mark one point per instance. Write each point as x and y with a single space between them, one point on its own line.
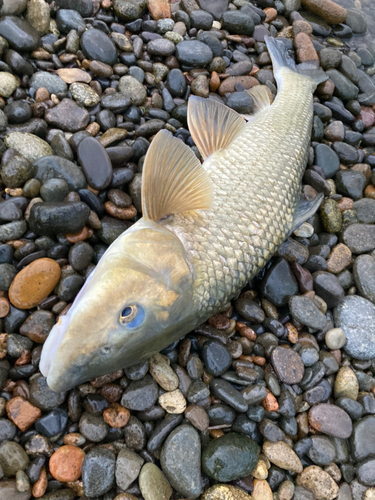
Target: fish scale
257 183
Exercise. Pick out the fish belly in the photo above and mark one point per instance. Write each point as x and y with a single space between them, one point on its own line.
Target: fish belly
257 182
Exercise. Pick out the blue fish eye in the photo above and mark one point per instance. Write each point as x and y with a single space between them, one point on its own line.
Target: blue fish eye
132 316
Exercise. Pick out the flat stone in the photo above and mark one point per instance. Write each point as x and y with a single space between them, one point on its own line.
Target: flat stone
22 413
34 283
279 283
30 146
288 365
68 116
72 75
153 484
98 46
319 482
180 461
55 217
228 85
363 439
55 167
282 456
330 419
140 395
95 163
12 458
8 489
98 472
356 316
194 53
328 10
128 466
19 34
364 276
53 83
214 7
8 84
230 457
38 15
132 89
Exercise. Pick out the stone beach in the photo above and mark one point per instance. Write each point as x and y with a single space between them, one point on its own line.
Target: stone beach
274 397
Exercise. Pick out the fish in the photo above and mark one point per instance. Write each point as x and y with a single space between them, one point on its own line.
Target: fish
207 228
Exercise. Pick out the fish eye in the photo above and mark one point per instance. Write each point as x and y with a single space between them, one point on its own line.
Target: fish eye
132 316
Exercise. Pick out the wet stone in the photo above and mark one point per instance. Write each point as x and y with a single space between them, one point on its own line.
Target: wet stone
306 312
12 458
128 466
228 394
238 23
319 482
194 53
282 455
42 396
331 420
68 116
19 33
322 452
140 395
350 183
28 145
363 438
132 89
52 167
98 46
180 460
288 365
216 358
65 464
53 83
22 413
53 423
93 427
230 457
95 163
364 276
153 484
279 284
356 316
98 471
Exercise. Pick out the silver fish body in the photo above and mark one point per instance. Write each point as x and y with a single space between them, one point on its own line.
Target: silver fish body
178 265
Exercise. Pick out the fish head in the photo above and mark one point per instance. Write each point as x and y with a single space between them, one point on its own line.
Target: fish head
137 301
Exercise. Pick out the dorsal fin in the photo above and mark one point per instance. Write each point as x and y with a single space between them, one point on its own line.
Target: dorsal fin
212 125
173 180
261 96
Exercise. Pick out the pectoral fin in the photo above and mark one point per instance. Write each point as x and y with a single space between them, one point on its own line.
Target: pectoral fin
305 210
212 125
261 96
173 180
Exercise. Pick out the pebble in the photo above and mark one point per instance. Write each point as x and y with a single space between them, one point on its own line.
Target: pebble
194 53
52 167
95 163
335 338
225 492
128 466
330 419
346 384
66 463
288 365
19 34
216 358
53 83
364 276
282 456
262 490
98 472
38 15
132 89
279 283
84 94
28 145
356 315
363 438
58 217
162 373
13 458
319 482
140 395
22 413
339 259
34 283
173 402
68 116
153 484
330 11
96 45
180 461
306 312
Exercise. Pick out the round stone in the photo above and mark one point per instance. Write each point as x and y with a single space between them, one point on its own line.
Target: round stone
319 482
28 145
95 163
8 84
128 466
330 419
34 283
19 33
52 82
288 365
230 457
153 484
216 358
194 53
54 190
132 89
84 94
65 464
98 472
364 276
225 491
335 338
98 46
180 460
282 456
363 438
13 458
346 384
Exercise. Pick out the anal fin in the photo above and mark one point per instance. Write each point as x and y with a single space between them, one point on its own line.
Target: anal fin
212 125
173 180
305 210
261 96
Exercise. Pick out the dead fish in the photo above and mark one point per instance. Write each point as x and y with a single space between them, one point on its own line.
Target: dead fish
206 229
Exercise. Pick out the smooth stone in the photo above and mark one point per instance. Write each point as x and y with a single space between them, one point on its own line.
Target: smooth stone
230 457
363 438
350 183
161 47
322 452
330 419
53 423
225 492
30 146
288 365
54 167
68 19
140 395
365 210
356 316
360 238
319 482
111 229
128 466
34 283
16 172
153 484
364 276
214 7
283 456
98 46
8 84
54 190
180 461
12 457
279 283
194 53
306 312
129 10
15 8
84 7
346 384
52 82
19 34
68 116
92 427
216 358
12 230
18 112
328 287
227 393
335 338
84 94
366 472
38 15
95 163
98 472
58 217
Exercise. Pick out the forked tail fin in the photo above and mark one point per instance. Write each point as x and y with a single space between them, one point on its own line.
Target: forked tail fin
281 59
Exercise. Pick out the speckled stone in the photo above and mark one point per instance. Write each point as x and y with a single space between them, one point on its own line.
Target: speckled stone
28 145
330 419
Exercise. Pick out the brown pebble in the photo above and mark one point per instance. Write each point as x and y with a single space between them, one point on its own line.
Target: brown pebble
24 359
288 365
370 192
116 416
112 135
65 464
98 382
40 486
72 75
326 89
262 490
330 419
340 258
74 439
4 307
216 433
219 321
99 68
214 81
229 83
119 198
224 492
82 235
111 392
159 9
22 413
3 345
198 417
305 48
248 332
345 204
93 129
319 482
34 283
292 333
120 213
330 11
300 26
271 14
42 95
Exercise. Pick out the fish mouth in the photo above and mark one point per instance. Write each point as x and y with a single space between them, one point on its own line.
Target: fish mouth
51 345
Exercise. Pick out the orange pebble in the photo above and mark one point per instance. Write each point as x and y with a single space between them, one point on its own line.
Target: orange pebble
271 14
65 464
248 333
214 81
270 403
40 486
259 360
82 235
216 433
3 345
370 192
4 307
22 413
292 333
116 416
120 213
93 128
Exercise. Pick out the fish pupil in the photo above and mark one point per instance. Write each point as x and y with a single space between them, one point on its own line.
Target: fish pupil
126 311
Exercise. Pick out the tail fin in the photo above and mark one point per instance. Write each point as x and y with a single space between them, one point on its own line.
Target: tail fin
281 59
